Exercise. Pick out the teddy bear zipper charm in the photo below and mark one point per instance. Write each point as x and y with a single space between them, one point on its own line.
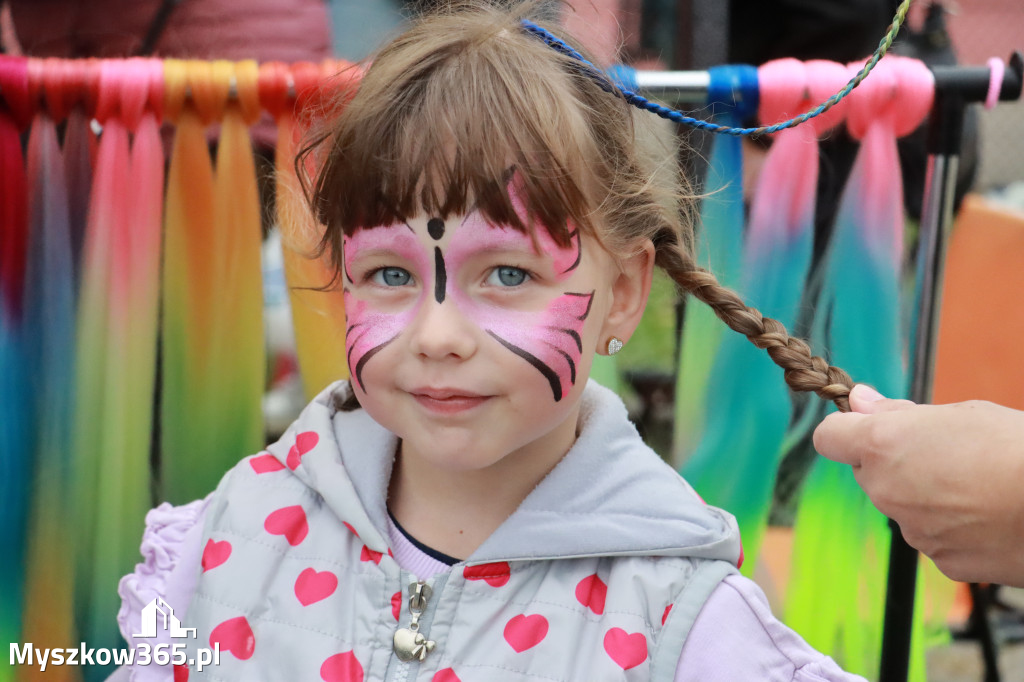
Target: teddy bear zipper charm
410 644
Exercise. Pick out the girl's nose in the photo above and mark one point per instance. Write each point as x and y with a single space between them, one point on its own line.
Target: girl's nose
440 331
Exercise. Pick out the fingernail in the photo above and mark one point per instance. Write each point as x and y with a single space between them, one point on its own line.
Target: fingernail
866 393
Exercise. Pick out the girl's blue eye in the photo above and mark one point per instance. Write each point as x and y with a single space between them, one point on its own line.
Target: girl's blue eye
507 276
391 277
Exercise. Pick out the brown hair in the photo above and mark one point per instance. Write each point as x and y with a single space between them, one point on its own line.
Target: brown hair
449 107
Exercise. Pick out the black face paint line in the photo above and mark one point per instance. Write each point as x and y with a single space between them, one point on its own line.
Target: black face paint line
538 364
366 358
440 275
575 234
344 261
435 228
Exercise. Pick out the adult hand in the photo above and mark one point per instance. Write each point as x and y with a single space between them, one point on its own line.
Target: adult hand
951 476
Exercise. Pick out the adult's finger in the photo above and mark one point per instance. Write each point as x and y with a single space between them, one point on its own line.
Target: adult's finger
840 437
867 400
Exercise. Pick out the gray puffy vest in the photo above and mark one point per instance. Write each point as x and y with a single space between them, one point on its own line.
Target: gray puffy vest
598 575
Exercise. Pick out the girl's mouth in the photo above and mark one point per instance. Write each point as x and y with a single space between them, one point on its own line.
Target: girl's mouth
448 400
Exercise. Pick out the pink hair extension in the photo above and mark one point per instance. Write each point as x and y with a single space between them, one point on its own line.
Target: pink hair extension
891 104
15 113
79 151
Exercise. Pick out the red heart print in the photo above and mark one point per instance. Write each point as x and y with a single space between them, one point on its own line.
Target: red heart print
311 587
396 604
215 553
524 632
180 673
289 522
369 555
446 675
349 526
664 616
591 592
628 650
264 464
234 635
495 575
342 667
304 442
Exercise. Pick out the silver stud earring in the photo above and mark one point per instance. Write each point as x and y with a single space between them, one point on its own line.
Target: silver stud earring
614 346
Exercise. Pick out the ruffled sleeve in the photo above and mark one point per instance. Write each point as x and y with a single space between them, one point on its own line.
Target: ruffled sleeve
172 554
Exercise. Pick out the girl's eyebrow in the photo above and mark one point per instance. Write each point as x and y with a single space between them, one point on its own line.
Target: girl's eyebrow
376 251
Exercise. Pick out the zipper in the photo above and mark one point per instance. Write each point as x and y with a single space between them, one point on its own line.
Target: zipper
409 643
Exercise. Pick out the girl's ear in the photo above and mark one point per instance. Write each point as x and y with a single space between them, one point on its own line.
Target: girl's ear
629 290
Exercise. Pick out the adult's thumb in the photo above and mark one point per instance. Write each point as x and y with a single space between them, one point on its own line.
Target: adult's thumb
867 400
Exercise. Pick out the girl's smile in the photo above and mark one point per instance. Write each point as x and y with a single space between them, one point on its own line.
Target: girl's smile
448 401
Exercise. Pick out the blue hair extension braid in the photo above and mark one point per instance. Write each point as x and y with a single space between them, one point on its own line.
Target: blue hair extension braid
641 102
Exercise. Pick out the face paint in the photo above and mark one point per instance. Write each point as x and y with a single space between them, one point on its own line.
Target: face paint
564 260
549 339
371 330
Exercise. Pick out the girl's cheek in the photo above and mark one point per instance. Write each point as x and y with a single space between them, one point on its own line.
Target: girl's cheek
550 339
368 331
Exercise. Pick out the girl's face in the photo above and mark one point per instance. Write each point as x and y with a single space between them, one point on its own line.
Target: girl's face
467 341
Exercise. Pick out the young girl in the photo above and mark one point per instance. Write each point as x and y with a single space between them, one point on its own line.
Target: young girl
468 507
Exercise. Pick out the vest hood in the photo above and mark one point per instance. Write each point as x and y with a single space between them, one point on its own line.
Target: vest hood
610 495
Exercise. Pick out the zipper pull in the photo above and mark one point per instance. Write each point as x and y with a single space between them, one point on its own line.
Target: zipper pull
410 644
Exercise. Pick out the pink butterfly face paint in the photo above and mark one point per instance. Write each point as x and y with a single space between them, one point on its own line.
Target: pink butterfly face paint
438 257
549 339
369 330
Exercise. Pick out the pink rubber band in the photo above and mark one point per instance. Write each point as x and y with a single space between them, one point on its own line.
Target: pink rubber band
995 81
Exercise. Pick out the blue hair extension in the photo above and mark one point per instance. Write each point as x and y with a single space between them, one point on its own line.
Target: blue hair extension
641 102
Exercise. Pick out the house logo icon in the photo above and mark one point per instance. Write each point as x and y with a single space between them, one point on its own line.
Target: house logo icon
159 611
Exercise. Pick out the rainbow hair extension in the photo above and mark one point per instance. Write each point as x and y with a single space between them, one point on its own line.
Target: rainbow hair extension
15 417
720 232
209 411
748 408
239 354
189 317
117 337
50 329
840 611
318 317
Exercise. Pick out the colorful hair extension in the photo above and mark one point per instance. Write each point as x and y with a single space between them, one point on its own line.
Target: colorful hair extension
79 157
839 611
720 233
743 381
117 323
239 364
50 324
188 414
318 316
15 416
213 352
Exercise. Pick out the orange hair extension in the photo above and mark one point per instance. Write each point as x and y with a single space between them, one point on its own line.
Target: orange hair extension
318 316
239 349
187 412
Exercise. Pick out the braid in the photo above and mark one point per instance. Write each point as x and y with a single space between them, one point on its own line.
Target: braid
803 371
